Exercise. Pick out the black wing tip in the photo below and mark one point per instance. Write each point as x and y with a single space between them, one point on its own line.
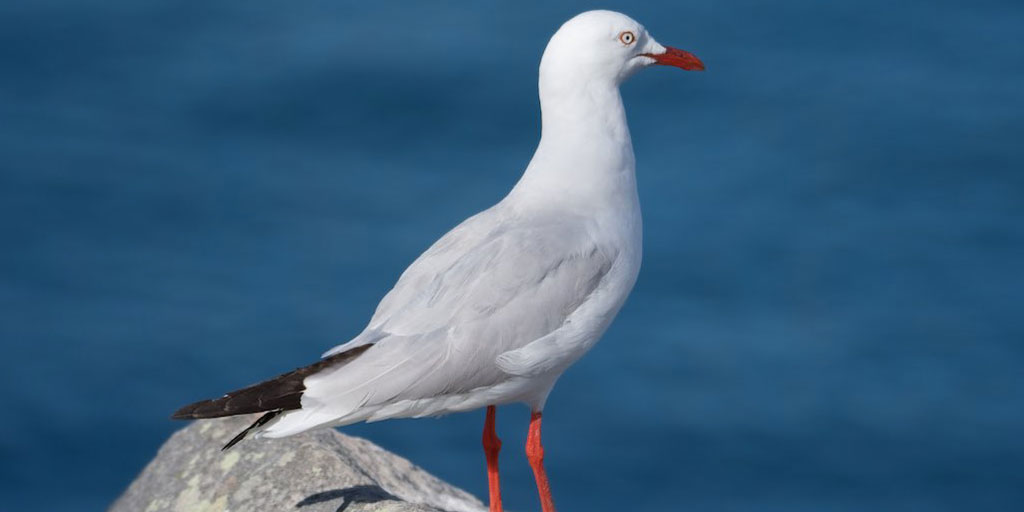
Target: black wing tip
283 392
262 420
235 440
185 413
201 410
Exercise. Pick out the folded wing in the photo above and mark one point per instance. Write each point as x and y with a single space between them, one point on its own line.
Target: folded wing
476 293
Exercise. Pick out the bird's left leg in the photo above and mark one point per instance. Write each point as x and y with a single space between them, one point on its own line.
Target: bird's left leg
492 445
535 454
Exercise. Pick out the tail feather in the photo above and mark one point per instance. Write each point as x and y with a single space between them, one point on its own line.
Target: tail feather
281 393
257 424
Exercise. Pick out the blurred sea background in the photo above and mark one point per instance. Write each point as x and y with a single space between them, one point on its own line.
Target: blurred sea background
829 318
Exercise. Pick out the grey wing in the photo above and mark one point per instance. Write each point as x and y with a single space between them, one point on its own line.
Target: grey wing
485 288
537 272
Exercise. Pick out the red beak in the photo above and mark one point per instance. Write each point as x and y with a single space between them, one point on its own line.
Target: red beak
681 59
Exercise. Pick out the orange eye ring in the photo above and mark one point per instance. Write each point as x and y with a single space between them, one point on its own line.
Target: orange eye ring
627 38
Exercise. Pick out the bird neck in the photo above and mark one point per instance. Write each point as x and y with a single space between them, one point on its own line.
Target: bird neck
588 109
585 154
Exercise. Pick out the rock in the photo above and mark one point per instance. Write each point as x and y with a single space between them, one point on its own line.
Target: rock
313 472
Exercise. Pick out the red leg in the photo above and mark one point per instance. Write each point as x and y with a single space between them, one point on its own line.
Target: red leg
492 445
535 454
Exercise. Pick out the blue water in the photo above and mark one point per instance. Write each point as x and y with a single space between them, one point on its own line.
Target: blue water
194 197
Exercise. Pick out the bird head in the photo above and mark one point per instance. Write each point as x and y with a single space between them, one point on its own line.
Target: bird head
607 46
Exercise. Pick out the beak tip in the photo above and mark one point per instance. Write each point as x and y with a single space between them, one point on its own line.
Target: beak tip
681 59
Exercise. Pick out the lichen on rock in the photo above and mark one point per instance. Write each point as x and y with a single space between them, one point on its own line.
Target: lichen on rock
320 471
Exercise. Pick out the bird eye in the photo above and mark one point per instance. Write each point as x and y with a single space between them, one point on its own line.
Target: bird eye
627 37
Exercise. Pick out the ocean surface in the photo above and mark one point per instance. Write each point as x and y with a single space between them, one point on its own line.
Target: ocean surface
829 318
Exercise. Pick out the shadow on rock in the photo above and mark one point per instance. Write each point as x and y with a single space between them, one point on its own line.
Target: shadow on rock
355 494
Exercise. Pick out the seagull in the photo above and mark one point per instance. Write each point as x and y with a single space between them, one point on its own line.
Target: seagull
495 310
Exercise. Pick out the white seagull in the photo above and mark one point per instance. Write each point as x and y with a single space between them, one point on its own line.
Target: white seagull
500 306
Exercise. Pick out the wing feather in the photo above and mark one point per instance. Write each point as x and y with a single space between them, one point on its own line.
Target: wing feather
478 292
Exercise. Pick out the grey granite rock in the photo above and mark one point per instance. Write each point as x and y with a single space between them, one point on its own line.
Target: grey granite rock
318 471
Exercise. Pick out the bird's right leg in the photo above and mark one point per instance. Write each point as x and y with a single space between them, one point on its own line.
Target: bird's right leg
492 445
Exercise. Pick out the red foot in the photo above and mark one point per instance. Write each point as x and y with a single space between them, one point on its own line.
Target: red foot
492 445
